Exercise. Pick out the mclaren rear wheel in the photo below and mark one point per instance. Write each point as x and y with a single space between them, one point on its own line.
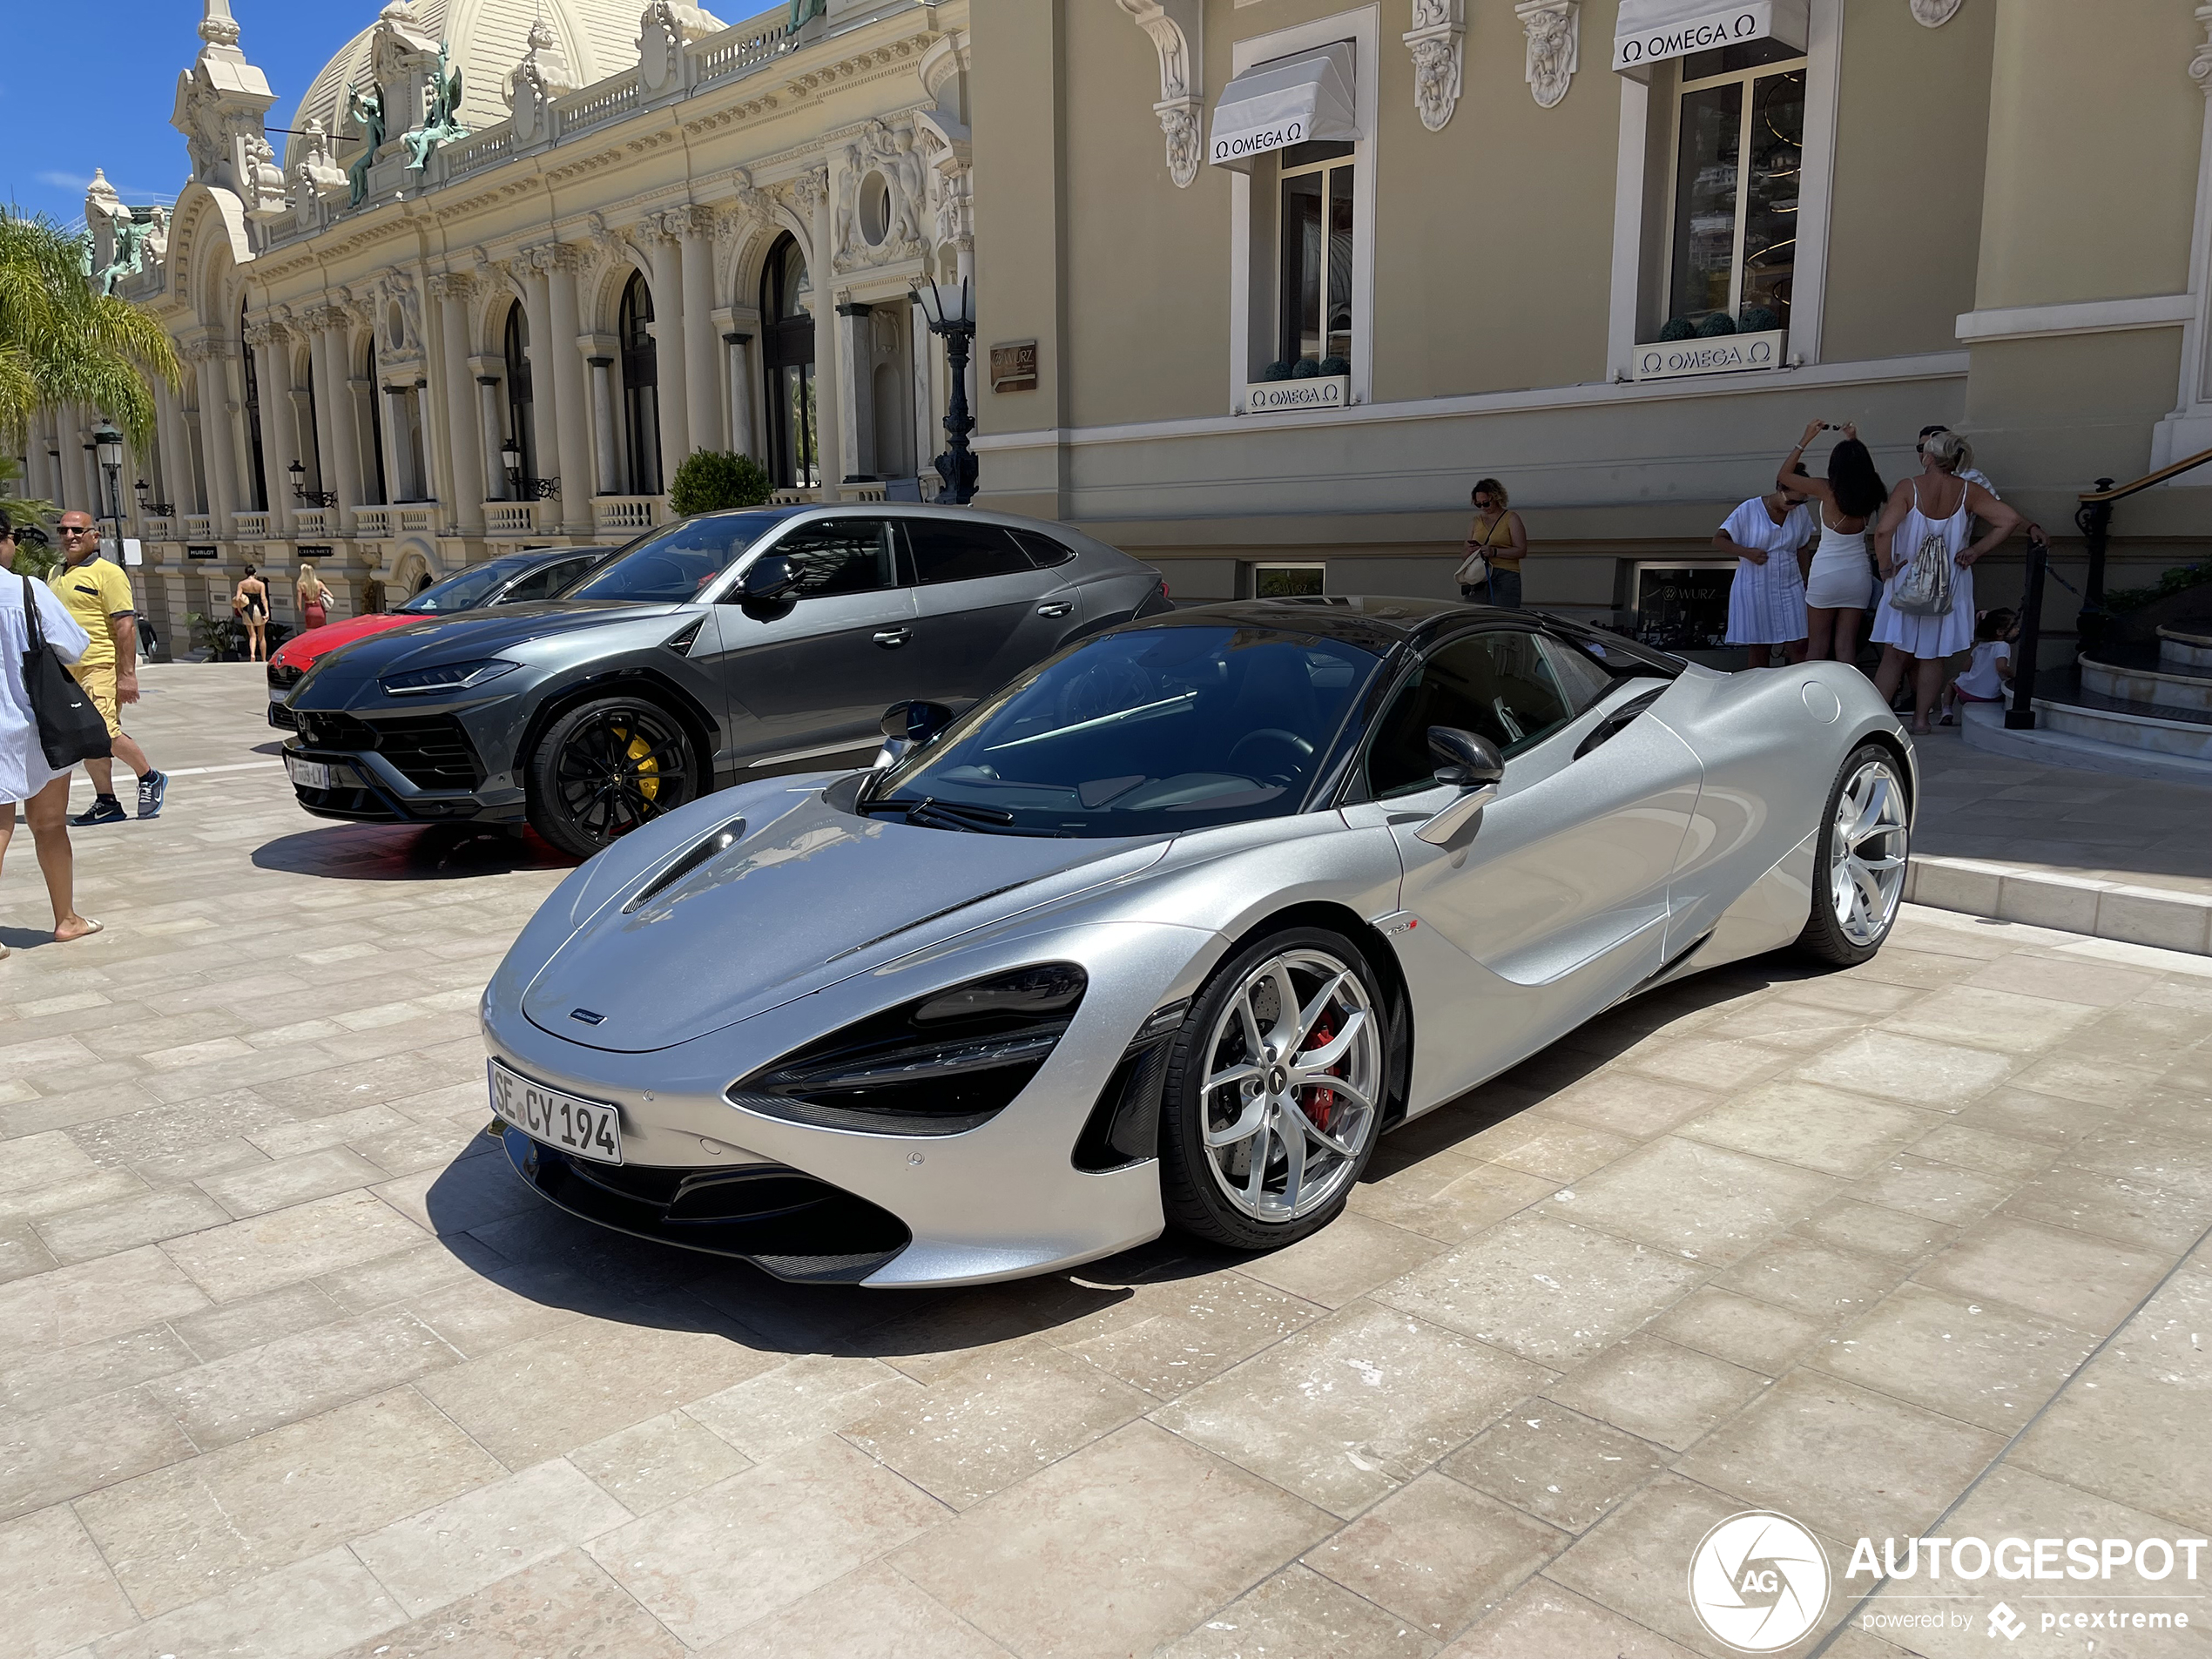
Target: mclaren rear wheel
604 768
1858 865
1275 1091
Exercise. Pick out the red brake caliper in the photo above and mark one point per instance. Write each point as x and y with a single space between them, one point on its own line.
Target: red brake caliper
1323 1106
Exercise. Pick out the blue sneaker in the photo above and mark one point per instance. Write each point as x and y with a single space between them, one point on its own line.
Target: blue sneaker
105 809
152 788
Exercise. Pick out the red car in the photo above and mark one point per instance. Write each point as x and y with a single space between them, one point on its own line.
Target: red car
508 580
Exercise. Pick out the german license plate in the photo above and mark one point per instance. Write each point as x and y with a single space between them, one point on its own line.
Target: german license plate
587 1128
308 774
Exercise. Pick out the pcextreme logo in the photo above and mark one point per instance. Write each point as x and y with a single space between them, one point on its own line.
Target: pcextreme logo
1758 1582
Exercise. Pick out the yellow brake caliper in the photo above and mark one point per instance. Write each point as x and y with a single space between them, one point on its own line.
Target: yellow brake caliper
641 751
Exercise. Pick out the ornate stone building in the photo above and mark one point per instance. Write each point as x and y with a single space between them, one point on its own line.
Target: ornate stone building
518 259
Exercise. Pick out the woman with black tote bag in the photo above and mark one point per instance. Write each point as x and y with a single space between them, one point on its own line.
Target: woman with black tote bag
43 734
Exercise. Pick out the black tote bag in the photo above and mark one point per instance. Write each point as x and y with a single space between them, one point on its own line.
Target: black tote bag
70 728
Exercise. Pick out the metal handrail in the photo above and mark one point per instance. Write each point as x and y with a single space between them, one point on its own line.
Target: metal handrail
2105 491
2020 714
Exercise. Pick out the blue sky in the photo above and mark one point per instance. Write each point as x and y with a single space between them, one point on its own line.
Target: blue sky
53 131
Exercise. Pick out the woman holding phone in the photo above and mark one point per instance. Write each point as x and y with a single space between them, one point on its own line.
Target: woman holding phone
1839 589
1496 543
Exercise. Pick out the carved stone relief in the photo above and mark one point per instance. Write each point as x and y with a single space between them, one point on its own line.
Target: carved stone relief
888 155
1553 32
1174 27
1934 14
662 32
1438 43
542 76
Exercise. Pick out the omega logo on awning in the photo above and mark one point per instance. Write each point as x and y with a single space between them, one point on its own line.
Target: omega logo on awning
1690 37
1252 143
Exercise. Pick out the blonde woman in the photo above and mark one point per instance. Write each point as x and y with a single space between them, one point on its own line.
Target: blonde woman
1500 540
251 605
313 596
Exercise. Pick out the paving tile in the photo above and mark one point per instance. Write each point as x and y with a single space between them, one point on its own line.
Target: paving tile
21 1254
1173 1336
458 1547
2090 1283
286 1181
103 1298
281 1381
2039 1117
1942 1076
2090 1080
1980 1362
1450 1199
750 1546
280 1497
307 1610
872 1613
2174 1163
1437 1554
1848 1225
1144 1532
67 1375
247 1257
1555 1464
1657 1390
567 1607
586 1379
2112 1206
1351 1408
480 1314
92 1185
1628 1104
650 1465
1560 1151
1840 1458
60 1594
1705 1201
1984 1018
1546 1291
215 1331
803 1399
1715 1063
1297 1612
2089 984
1742 1330
1934 1191
1803 1124
1349 1257
1000 1419
295 1135
409 1273
1542 1620
90 1443
125 1224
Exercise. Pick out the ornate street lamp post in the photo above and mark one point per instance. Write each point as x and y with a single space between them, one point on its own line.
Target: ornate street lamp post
951 314
107 450
510 457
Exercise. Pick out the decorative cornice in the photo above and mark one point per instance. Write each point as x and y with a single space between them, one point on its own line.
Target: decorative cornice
452 284
1176 29
1555 49
1438 43
2200 65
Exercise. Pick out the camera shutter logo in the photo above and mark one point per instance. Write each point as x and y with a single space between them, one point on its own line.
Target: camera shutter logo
1758 1582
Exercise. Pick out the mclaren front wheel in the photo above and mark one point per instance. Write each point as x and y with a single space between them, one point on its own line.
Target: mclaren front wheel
1275 1091
1858 863
604 768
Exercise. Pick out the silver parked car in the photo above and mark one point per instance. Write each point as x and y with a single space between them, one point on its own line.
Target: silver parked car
1168 931
724 645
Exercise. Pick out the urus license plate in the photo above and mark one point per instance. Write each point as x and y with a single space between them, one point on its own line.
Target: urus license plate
308 774
588 1128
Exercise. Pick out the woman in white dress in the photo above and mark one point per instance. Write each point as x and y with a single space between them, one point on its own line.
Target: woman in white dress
1766 600
1934 510
1839 589
24 775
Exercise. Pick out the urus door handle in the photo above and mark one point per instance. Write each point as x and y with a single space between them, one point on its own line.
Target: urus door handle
892 638
1057 608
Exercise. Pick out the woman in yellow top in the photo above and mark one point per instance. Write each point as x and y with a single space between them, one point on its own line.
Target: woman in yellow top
1499 538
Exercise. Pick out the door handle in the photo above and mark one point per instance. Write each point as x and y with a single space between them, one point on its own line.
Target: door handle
892 638
1057 608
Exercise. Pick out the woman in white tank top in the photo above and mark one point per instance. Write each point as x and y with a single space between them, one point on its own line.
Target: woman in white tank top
1938 505
1839 589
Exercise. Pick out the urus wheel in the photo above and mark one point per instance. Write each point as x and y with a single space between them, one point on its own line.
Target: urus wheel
1858 878
1275 1091
605 767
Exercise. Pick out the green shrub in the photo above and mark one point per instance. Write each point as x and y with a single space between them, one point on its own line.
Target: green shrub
1717 325
711 481
1678 328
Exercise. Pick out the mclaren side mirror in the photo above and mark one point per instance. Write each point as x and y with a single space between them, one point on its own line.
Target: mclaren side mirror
772 576
1465 762
915 722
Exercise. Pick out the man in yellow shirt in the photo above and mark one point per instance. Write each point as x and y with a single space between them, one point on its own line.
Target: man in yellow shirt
98 595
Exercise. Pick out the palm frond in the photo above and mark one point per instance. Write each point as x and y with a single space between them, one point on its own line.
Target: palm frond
61 342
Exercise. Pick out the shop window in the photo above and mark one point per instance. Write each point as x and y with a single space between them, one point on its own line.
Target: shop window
1288 581
1739 172
521 407
1313 314
787 362
640 387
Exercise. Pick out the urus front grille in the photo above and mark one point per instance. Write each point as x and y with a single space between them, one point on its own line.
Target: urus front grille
430 751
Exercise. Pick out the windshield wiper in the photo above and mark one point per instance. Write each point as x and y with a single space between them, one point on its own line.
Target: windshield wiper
959 812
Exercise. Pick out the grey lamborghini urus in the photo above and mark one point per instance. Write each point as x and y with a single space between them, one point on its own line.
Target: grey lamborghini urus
720 648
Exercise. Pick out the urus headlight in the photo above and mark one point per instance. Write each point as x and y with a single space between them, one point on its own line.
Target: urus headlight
451 677
938 1065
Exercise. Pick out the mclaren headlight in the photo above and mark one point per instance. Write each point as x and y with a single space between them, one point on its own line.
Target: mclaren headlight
451 677
938 1065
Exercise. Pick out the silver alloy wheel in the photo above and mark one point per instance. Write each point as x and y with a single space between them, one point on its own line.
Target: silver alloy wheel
1294 1071
1866 852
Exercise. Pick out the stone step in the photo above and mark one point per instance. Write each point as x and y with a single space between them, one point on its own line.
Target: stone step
2147 678
1983 727
2187 646
2123 727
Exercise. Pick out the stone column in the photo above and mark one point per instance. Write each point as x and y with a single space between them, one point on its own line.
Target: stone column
463 434
219 452
76 454
601 364
493 431
399 454
856 352
555 351
740 393
811 192
703 405
335 406
307 441
272 350
670 370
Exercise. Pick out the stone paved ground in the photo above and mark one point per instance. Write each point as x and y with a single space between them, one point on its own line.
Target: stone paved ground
294 1368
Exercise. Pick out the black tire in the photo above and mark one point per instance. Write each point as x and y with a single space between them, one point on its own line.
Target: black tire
605 767
1839 932
1195 1181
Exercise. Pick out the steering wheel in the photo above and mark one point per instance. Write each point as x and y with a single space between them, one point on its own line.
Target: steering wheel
1299 751
1102 688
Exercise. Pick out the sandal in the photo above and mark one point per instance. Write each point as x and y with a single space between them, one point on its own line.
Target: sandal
90 928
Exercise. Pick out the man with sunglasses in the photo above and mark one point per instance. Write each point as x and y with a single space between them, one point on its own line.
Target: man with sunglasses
98 595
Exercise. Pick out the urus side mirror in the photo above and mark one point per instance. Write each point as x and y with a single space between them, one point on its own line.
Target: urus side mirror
915 722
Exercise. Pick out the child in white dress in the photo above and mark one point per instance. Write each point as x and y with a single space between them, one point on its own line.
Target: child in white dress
1988 676
1766 600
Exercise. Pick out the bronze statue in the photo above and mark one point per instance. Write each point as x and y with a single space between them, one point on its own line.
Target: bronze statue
368 109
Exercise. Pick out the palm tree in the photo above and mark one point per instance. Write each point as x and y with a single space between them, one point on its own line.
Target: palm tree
61 342
34 554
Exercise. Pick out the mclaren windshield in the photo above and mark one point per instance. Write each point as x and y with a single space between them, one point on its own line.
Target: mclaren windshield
465 592
1154 731
677 565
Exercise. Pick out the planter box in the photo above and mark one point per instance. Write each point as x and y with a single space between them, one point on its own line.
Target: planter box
1669 360
1284 397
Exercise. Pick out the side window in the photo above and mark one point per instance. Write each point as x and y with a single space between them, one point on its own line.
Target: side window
1044 551
1495 684
1580 678
950 550
544 582
841 556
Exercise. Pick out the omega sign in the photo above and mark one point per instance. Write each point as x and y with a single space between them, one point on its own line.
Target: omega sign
1724 355
1697 34
1237 146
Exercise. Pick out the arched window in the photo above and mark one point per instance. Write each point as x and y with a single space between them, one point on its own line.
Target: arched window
787 360
640 387
522 417
375 427
258 480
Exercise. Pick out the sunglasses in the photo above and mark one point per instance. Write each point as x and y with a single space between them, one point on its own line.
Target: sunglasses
72 529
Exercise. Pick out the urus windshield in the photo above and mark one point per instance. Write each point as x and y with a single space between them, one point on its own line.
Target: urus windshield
1153 730
676 566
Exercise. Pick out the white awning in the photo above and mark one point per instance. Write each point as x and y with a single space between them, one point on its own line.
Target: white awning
1650 31
1289 100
